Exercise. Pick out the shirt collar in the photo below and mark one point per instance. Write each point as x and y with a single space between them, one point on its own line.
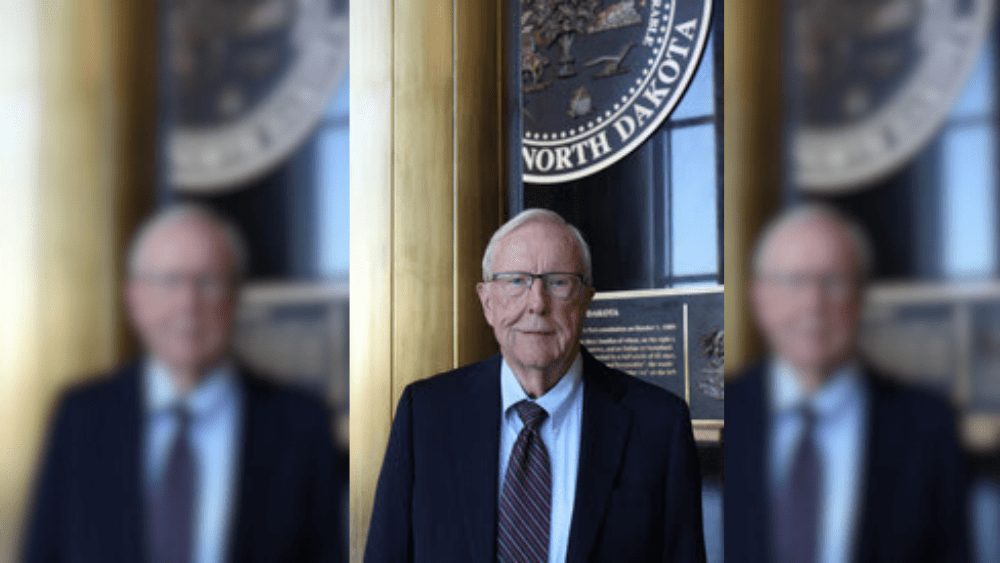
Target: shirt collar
556 401
844 387
218 385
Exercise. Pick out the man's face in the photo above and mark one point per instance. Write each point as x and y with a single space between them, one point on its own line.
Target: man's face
807 298
181 298
536 330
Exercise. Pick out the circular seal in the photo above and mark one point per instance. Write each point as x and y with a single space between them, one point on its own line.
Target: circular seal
877 80
253 79
598 80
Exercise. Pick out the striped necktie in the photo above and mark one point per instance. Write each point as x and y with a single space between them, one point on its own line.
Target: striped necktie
172 503
526 500
797 506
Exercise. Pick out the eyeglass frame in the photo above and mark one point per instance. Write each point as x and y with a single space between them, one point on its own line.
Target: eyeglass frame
207 285
545 284
833 285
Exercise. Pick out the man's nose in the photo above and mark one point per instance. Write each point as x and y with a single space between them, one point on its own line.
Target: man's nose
538 297
188 294
813 294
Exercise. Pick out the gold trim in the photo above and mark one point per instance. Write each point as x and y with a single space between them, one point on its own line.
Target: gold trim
274 292
687 359
638 293
932 292
708 430
709 422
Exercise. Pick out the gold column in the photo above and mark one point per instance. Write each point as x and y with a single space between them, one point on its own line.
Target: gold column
752 167
426 175
70 77
20 393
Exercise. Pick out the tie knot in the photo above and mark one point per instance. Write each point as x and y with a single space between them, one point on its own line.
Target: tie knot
531 414
182 414
808 415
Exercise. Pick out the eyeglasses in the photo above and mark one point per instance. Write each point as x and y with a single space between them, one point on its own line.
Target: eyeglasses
563 285
208 286
832 285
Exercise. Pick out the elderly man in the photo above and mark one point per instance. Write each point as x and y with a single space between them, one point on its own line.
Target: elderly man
540 453
183 456
826 460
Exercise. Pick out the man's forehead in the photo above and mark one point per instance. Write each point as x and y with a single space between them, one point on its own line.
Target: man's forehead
814 242
537 236
183 240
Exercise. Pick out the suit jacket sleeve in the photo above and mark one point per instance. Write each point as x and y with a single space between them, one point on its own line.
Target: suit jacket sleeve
953 522
328 543
684 536
46 520
390 536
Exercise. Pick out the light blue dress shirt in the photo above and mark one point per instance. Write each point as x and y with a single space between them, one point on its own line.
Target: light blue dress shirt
985 508
215 406
840 405
561 433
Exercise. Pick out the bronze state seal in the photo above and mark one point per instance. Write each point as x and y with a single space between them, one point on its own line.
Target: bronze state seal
598 79
876 81
252 80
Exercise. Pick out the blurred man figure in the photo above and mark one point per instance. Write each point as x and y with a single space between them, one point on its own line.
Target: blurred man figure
826 461
540 453
183 456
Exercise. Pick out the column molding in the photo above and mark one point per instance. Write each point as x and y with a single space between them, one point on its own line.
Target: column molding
80 79
427 190
753 157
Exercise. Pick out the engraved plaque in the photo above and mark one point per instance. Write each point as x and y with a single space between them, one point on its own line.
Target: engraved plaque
671 338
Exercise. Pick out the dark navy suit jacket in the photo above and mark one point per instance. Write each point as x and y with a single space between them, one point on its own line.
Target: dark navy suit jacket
88 505
914 507
638 491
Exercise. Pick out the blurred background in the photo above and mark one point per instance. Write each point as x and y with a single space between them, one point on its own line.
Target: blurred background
78 145
110 110
887 110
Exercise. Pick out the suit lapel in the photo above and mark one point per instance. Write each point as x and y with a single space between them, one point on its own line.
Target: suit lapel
476 443
127 425
603 434
747 449
877 479
250 459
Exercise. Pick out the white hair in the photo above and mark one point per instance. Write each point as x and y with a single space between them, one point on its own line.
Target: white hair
536 215
178 213
808 212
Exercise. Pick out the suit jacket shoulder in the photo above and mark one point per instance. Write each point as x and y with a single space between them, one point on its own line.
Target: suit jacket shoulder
916 483
748 507
913 502
294 407
437 489
87 501
293 480
638 494
89 494
464 382
920 409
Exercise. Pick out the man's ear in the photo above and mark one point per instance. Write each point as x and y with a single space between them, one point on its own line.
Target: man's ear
483 289
130 294
589 296
758 301
136 307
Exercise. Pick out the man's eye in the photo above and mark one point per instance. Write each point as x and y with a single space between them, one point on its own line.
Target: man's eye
171 281
558 282
518 281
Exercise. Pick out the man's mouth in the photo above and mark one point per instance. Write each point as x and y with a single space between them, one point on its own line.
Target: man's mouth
536 331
